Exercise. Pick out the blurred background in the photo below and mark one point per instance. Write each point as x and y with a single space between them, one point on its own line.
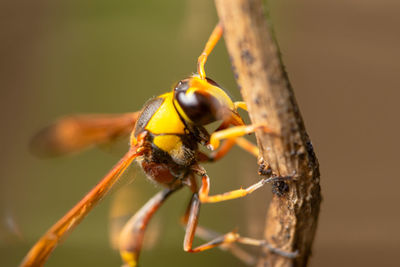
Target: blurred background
68 57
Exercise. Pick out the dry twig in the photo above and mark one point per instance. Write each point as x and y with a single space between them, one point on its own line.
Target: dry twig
293 213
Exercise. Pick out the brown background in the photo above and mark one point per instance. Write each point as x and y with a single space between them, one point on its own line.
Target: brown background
101 56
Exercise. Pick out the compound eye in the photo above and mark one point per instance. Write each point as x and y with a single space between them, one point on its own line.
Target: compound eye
196 105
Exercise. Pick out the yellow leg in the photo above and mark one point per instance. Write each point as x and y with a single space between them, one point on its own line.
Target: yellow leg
247 145
239 193
224 149
227 145
240 104
236 131
132 235
240 141
212 41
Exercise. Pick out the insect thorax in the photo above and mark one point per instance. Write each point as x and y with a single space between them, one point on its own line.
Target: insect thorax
171 146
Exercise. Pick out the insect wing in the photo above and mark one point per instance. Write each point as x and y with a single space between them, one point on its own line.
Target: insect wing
75 133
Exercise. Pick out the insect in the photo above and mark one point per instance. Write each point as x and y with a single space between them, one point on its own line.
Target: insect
164 140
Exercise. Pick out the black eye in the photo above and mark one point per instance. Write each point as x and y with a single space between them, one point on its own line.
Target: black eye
198 106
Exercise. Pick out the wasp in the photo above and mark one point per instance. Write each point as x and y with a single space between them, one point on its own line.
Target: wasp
165 137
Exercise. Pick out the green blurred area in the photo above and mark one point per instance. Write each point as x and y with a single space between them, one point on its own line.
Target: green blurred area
67 57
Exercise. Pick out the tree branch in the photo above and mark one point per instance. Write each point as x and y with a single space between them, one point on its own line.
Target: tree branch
293 213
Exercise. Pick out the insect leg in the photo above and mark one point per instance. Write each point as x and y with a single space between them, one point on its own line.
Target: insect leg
191 230
236 131
225 240
232 137
247 145
131 237
239 193
218 154
212 41
207 235
240 104
226 147
263 243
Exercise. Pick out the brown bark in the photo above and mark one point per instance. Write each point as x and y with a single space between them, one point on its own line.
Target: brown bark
293 213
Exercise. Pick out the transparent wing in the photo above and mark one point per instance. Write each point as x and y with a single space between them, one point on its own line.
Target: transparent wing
77 132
